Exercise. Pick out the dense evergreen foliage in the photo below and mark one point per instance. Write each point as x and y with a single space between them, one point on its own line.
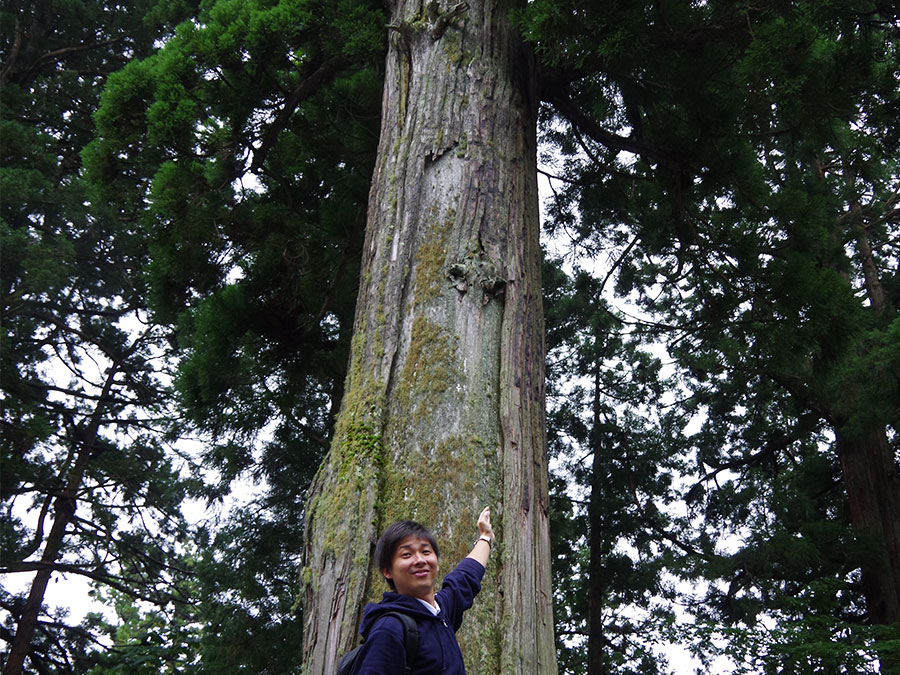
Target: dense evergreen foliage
245 146
90 486
723 338
737 165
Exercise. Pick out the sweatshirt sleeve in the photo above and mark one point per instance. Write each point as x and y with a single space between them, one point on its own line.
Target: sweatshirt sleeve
383 652
459 590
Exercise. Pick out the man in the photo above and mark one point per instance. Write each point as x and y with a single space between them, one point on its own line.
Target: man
407 556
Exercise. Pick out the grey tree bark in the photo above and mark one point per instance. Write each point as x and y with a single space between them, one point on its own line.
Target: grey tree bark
444 405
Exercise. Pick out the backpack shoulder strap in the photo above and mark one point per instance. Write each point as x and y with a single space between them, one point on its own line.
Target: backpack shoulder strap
411 637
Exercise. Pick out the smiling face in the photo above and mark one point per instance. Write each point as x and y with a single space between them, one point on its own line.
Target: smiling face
414 568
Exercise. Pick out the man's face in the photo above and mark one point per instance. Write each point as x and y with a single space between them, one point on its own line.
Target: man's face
414 568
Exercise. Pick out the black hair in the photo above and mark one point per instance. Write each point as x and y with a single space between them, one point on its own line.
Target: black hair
390 540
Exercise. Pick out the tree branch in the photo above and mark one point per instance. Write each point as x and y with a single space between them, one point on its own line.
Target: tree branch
13 52
578 118
307 87
118 583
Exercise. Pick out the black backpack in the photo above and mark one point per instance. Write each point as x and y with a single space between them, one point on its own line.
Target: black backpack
410 639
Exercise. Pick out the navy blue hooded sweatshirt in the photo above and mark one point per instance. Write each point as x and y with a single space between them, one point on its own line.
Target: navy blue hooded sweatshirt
384 651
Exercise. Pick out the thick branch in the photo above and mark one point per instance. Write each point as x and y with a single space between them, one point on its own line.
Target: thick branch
50 57
121 584
13 52
323 74
577 117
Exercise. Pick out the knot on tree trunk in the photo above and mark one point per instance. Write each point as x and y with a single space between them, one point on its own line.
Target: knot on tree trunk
432 21
479 271
439 21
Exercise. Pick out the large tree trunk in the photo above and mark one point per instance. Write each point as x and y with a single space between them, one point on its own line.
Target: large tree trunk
444 405
872 481
870 470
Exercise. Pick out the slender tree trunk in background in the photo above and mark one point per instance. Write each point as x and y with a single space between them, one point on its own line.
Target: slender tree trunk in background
444 405
873 488
63 510
596 581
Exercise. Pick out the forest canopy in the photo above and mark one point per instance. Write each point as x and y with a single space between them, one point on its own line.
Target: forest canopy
183 205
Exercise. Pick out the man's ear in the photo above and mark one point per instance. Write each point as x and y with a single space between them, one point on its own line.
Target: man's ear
387 574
